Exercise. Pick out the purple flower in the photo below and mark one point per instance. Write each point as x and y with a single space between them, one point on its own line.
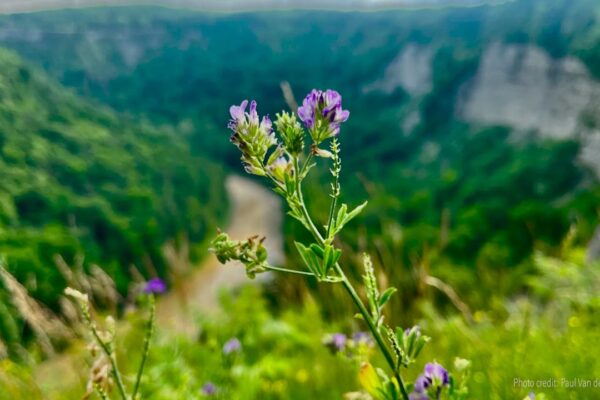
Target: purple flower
336 342
322 114
436 374
434 378
233 345
307 112
155 285
209 389
251 135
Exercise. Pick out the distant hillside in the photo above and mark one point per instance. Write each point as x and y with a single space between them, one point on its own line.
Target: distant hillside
483 119
77 178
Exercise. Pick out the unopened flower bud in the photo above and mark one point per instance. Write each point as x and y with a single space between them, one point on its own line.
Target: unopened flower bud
291 132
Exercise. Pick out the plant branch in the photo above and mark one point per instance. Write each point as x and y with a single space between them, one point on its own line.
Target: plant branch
355 297
110 354
291 271
147 337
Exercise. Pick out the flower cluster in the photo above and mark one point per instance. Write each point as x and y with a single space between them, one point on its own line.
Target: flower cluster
354 346
250 252
231 346
322 114
431 382
252 135
155 286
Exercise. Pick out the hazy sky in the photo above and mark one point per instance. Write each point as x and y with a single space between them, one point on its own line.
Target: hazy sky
9 6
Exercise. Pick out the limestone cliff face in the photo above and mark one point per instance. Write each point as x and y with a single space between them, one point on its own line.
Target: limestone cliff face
519 86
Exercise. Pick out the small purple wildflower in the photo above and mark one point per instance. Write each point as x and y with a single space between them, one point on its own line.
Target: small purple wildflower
251 135
322 114
209 389
336 342
156 286
437 375
434 378
233 345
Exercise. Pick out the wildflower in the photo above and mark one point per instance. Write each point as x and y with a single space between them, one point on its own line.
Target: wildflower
432 381
436 374
209 389
336 342
156 286
322 114
280 168
461 364
251 135
233 345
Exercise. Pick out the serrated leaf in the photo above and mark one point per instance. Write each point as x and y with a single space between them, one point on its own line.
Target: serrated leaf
386 295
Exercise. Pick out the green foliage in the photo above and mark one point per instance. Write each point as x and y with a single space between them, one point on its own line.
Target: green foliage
79 179
501 196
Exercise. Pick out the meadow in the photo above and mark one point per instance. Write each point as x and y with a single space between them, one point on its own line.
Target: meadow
409 210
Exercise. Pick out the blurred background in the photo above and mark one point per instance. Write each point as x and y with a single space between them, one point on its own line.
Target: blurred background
474 133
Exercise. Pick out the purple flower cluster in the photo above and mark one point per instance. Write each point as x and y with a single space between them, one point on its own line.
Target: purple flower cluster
322 114
338 342
252 135
233 345
155 286
434 378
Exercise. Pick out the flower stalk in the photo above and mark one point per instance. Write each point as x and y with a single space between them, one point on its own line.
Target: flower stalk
322 115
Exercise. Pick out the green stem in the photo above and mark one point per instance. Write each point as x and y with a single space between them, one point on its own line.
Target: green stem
291 271
330 219
373 328
111 356
357 301
147 338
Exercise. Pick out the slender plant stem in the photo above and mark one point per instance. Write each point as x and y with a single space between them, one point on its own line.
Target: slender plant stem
111 356
357 301
147 338
373 328
290 271
335 188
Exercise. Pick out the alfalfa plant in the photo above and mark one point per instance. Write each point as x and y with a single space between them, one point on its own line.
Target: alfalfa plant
283 160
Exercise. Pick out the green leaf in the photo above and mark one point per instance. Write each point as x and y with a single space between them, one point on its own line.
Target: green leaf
330 257
343 217
318 250
355 212
309 258
385 296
